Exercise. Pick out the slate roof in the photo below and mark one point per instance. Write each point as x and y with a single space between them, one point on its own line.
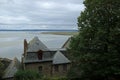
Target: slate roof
54 55
56 58
12 69
33 57
35 45
66 44
59 58
56 49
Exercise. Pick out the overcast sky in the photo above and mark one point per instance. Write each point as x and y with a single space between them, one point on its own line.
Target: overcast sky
40 12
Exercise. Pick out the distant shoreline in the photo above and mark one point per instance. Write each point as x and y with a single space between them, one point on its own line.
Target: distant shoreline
61 33
54 30
46 31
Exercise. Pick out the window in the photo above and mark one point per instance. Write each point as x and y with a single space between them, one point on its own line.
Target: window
65 67
40 54
40 69
56 67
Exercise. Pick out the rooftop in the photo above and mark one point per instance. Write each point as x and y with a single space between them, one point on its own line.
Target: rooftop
35 45
59 58
12 69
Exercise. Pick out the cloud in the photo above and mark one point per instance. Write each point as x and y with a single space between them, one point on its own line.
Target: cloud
56 6
40 11
74 7
13 19
46 5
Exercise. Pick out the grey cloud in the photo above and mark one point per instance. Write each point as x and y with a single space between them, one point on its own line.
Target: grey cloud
40 11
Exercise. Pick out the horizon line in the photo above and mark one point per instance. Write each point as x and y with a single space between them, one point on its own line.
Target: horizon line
38 24
38 29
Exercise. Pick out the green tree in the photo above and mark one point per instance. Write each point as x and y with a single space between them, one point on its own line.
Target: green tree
96 50
27 75
1 69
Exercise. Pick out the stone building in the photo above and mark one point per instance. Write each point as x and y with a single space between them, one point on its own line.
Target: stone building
47 61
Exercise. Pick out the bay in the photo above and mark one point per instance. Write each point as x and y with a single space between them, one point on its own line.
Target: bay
11 42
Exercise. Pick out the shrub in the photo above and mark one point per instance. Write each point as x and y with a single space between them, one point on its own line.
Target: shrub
27 75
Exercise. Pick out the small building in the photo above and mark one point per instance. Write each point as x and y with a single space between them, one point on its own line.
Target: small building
44 60
10 71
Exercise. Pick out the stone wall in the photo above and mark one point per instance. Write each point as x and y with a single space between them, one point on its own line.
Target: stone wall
46 67
61 71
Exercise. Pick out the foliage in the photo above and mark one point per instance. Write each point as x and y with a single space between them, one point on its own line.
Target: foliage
27 75
33 75
54 78
96 50
1 69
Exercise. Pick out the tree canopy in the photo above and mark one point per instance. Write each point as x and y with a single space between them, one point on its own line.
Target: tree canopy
27 75
96 50
1 69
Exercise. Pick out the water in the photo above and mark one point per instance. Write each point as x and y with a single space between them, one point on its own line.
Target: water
11 43
38 26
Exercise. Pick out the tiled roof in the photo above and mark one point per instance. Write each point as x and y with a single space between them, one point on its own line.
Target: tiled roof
33 57
59 58
12 69
66 44
36 45
54 55
57 49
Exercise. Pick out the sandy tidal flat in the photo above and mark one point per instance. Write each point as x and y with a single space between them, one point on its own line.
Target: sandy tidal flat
11 43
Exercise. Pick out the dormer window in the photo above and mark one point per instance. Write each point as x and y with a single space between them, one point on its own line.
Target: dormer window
40 54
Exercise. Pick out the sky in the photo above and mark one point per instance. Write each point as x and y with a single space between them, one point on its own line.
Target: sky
56 12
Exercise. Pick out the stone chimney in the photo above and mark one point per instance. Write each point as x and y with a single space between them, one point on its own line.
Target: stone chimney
25 46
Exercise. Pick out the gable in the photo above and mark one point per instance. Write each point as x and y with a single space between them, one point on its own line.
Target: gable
35 45
59 58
